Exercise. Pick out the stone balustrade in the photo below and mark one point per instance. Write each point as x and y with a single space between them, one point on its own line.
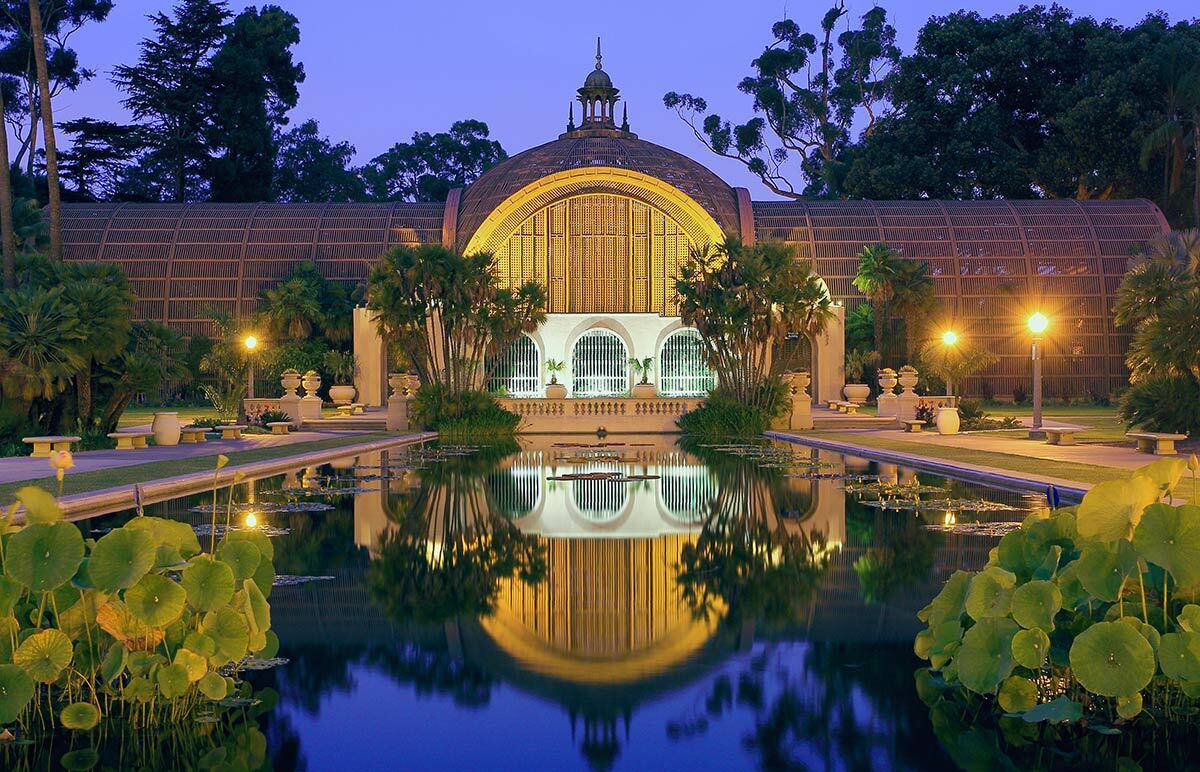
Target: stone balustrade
619 415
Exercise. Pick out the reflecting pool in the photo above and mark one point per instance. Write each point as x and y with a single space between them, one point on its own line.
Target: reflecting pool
568 604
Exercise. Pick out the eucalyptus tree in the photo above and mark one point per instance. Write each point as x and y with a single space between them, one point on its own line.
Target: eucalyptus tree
53 192
430 165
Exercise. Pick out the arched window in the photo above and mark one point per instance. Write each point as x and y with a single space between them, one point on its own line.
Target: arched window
682 371
599 365
516 372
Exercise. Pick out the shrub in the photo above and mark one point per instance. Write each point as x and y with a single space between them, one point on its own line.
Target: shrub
208 422
1167 404
724 417
926 412
1020 395
1082 613
272 416
466 415
973 417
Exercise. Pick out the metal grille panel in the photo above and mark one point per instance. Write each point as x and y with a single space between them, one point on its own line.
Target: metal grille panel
599 365
517 371
682 369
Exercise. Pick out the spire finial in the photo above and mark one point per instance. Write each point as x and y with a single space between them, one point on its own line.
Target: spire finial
570 116
598 67
625 116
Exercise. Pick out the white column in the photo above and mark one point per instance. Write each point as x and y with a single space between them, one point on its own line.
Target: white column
371 356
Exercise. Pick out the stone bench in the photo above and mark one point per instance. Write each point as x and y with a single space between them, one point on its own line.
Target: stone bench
1060 436
850 408
131 440
279 427
192 434
914 426
231 432
1158 443
344 410
44 446
357 408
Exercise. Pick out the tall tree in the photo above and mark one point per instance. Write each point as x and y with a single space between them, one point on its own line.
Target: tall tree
427 168
53 192
100 155
254 84
879 269
311 167
168 91
809 90
7 242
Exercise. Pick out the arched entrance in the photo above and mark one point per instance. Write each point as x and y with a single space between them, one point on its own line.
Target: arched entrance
599 365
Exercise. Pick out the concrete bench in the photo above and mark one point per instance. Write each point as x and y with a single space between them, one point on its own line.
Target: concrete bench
850 408
44 446
232 432
1158 443
914 426
131 440
192 434
357 408
344 410
279 427
1059 436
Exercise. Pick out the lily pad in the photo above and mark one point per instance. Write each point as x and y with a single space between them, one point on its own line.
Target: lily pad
241 556
949 603
1164 472
1103 568
1017 694
1034 604
985 658
1170 537
155 600
172 681
113 664
194 664
201 644
16 690
229 631
1030 648
1112 659
114 618
80 716
120 558
1055 711
258 611
256 537
213 686
169 533
987 596
44 556
1179 656
1129 707
209 583
1111 510
1189 618
44 655
40 505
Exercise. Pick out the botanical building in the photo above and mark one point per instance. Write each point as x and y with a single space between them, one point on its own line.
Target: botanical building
603 218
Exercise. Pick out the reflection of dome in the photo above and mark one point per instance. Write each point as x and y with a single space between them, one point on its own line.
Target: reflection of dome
596 149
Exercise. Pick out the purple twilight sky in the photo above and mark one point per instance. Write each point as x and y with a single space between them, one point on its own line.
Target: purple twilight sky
378 71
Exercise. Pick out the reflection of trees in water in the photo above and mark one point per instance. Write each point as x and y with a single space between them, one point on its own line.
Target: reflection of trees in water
820 706
900 556
318 543
448 548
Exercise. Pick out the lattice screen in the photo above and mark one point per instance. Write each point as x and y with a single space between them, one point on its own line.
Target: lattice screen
517 371
599 365
682 369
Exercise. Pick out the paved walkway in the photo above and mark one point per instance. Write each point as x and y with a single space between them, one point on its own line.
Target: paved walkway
26 468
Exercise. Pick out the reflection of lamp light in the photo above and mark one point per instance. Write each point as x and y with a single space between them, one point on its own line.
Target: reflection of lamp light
251 520
949 519
1038 323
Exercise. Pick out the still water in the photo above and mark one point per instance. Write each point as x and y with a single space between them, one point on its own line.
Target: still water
564 605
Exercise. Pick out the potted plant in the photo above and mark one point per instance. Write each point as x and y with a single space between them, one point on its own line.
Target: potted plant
554 389
342 368
643 389
857 361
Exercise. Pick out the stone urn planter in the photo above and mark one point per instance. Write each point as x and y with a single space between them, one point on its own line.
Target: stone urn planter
644 391
556 391
311 382
166 428
856 392
290 381
947 420
887 380
908 378
341 395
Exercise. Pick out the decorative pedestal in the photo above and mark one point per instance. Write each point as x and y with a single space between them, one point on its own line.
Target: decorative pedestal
289 403
310 403
907 400
887 404
799 414
398 403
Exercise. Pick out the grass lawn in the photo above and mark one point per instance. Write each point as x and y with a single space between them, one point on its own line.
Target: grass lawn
85 482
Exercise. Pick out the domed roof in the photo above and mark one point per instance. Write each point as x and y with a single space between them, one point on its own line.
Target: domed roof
594 148
597 78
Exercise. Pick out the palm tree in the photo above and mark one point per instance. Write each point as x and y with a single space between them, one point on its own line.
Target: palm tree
40 337
104 294
39 56
914 301
291 309
7 245
879 267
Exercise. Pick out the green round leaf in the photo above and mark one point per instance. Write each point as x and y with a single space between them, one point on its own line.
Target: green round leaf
987 597
257 538
1128 707
258 611
229 631
1034 604
155 600
1031 647
16 690
201 644
1179 656
1102 568
139 689
80 716
120 558
44 655
985 658
1017 694
213 686
1112 659
80 760
40 505
172 681
209 583
242 556
264 577
114 661
195 665
1112 509
1164 472
1170 537
44 556
1189 618
948 604
172 534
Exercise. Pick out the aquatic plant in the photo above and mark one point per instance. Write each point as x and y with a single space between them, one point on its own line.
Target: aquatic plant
138 625
1086 612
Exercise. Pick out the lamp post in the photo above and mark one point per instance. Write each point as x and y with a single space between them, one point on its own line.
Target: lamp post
949 339
1037 325
251 343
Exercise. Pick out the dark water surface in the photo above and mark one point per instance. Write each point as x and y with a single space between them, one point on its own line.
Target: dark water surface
725 612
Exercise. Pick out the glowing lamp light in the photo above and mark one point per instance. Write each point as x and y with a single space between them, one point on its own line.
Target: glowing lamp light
250 342
251 520
949 337
1038 323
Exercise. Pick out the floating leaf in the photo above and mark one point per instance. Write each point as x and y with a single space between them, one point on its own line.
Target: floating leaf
229 631
1017 694
172 681
1170 537
1146 631
1055 711
1034 604
44 556
44 655
1179 656
1112 509
1102 568
120 558
80 716
264 577
155 600
985 658
241 556
209 583
80 760
988 597
16 690
1164 472
1112 659
40 506
949 603
168 533
213 686
1031 647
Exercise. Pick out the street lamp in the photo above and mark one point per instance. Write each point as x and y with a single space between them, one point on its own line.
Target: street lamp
949 339
1037 325
251 343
